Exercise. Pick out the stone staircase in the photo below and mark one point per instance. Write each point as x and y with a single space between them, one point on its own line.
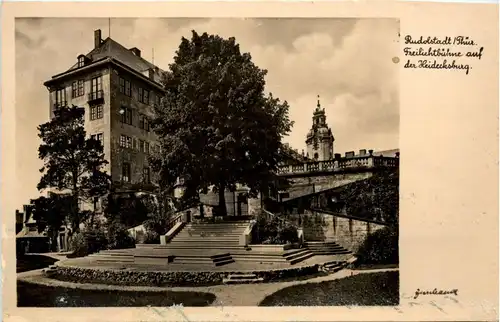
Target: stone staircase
223 235
326 248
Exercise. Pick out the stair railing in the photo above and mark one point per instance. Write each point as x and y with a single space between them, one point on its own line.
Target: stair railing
171 223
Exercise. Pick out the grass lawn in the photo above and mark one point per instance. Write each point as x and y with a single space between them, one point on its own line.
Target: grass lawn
366 289
34 295
30 262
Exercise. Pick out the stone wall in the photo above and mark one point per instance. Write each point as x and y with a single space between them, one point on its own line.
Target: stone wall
347 232
301 186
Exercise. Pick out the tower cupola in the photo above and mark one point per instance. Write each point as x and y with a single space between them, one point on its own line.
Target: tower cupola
320 139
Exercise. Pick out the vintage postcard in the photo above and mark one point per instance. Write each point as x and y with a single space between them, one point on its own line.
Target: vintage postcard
250 161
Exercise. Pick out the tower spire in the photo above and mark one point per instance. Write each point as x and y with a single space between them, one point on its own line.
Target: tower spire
318 105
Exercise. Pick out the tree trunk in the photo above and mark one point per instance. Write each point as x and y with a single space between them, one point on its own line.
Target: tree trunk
222 199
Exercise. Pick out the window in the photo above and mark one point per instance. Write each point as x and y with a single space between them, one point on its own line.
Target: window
77 88
144 123
144 96
99 137
141 145
158 99
126 172
146 175
96 112
81 61
125 141
96 86
126 116
61 97
146 147
125 87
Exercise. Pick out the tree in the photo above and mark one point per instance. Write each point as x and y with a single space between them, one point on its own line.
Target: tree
50 213
72 163
215 124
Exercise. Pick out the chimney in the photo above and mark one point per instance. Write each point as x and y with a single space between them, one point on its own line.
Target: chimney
136 51
338 156
97 38
362 152
397 154
370 151
349 154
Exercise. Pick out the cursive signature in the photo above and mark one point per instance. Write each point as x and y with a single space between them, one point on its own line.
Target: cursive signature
435 291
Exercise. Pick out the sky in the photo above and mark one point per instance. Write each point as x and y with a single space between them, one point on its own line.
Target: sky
347 62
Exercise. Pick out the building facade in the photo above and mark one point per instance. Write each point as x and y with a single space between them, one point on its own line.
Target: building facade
118 89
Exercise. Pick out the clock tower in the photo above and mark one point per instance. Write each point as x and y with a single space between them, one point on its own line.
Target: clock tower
320 138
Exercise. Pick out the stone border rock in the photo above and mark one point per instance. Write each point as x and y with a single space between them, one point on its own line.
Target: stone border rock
169 278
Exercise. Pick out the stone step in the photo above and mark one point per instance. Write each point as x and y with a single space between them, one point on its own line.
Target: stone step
338 252
243 280
297 254
259 259
207 238
216 226
301 258
204 247
239 276
224 262
204 244
192 260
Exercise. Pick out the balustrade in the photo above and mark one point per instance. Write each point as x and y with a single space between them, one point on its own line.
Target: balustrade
339 164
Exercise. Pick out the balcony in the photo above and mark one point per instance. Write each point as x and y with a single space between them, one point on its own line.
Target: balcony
339 165
96 97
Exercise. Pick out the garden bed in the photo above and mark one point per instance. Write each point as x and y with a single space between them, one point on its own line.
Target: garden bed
169 278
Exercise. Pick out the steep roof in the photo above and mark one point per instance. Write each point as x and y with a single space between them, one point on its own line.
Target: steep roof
109 48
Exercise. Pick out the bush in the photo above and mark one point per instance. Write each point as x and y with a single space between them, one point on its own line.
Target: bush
79 245
88 241
380 247
273 232
118 236
151 237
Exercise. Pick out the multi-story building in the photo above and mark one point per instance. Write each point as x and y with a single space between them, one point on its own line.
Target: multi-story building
117 88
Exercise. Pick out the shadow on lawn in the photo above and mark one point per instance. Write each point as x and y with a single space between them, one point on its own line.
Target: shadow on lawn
35 295
26 263
368 289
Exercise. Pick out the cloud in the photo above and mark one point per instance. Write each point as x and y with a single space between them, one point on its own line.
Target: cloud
348 62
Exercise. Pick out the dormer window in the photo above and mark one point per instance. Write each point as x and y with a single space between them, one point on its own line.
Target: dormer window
81 61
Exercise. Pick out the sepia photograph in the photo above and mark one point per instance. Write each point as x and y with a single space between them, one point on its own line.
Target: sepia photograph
207 161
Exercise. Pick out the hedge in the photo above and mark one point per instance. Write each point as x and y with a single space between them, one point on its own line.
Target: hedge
380 247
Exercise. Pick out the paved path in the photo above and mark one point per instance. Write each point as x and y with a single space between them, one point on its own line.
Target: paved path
227 295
